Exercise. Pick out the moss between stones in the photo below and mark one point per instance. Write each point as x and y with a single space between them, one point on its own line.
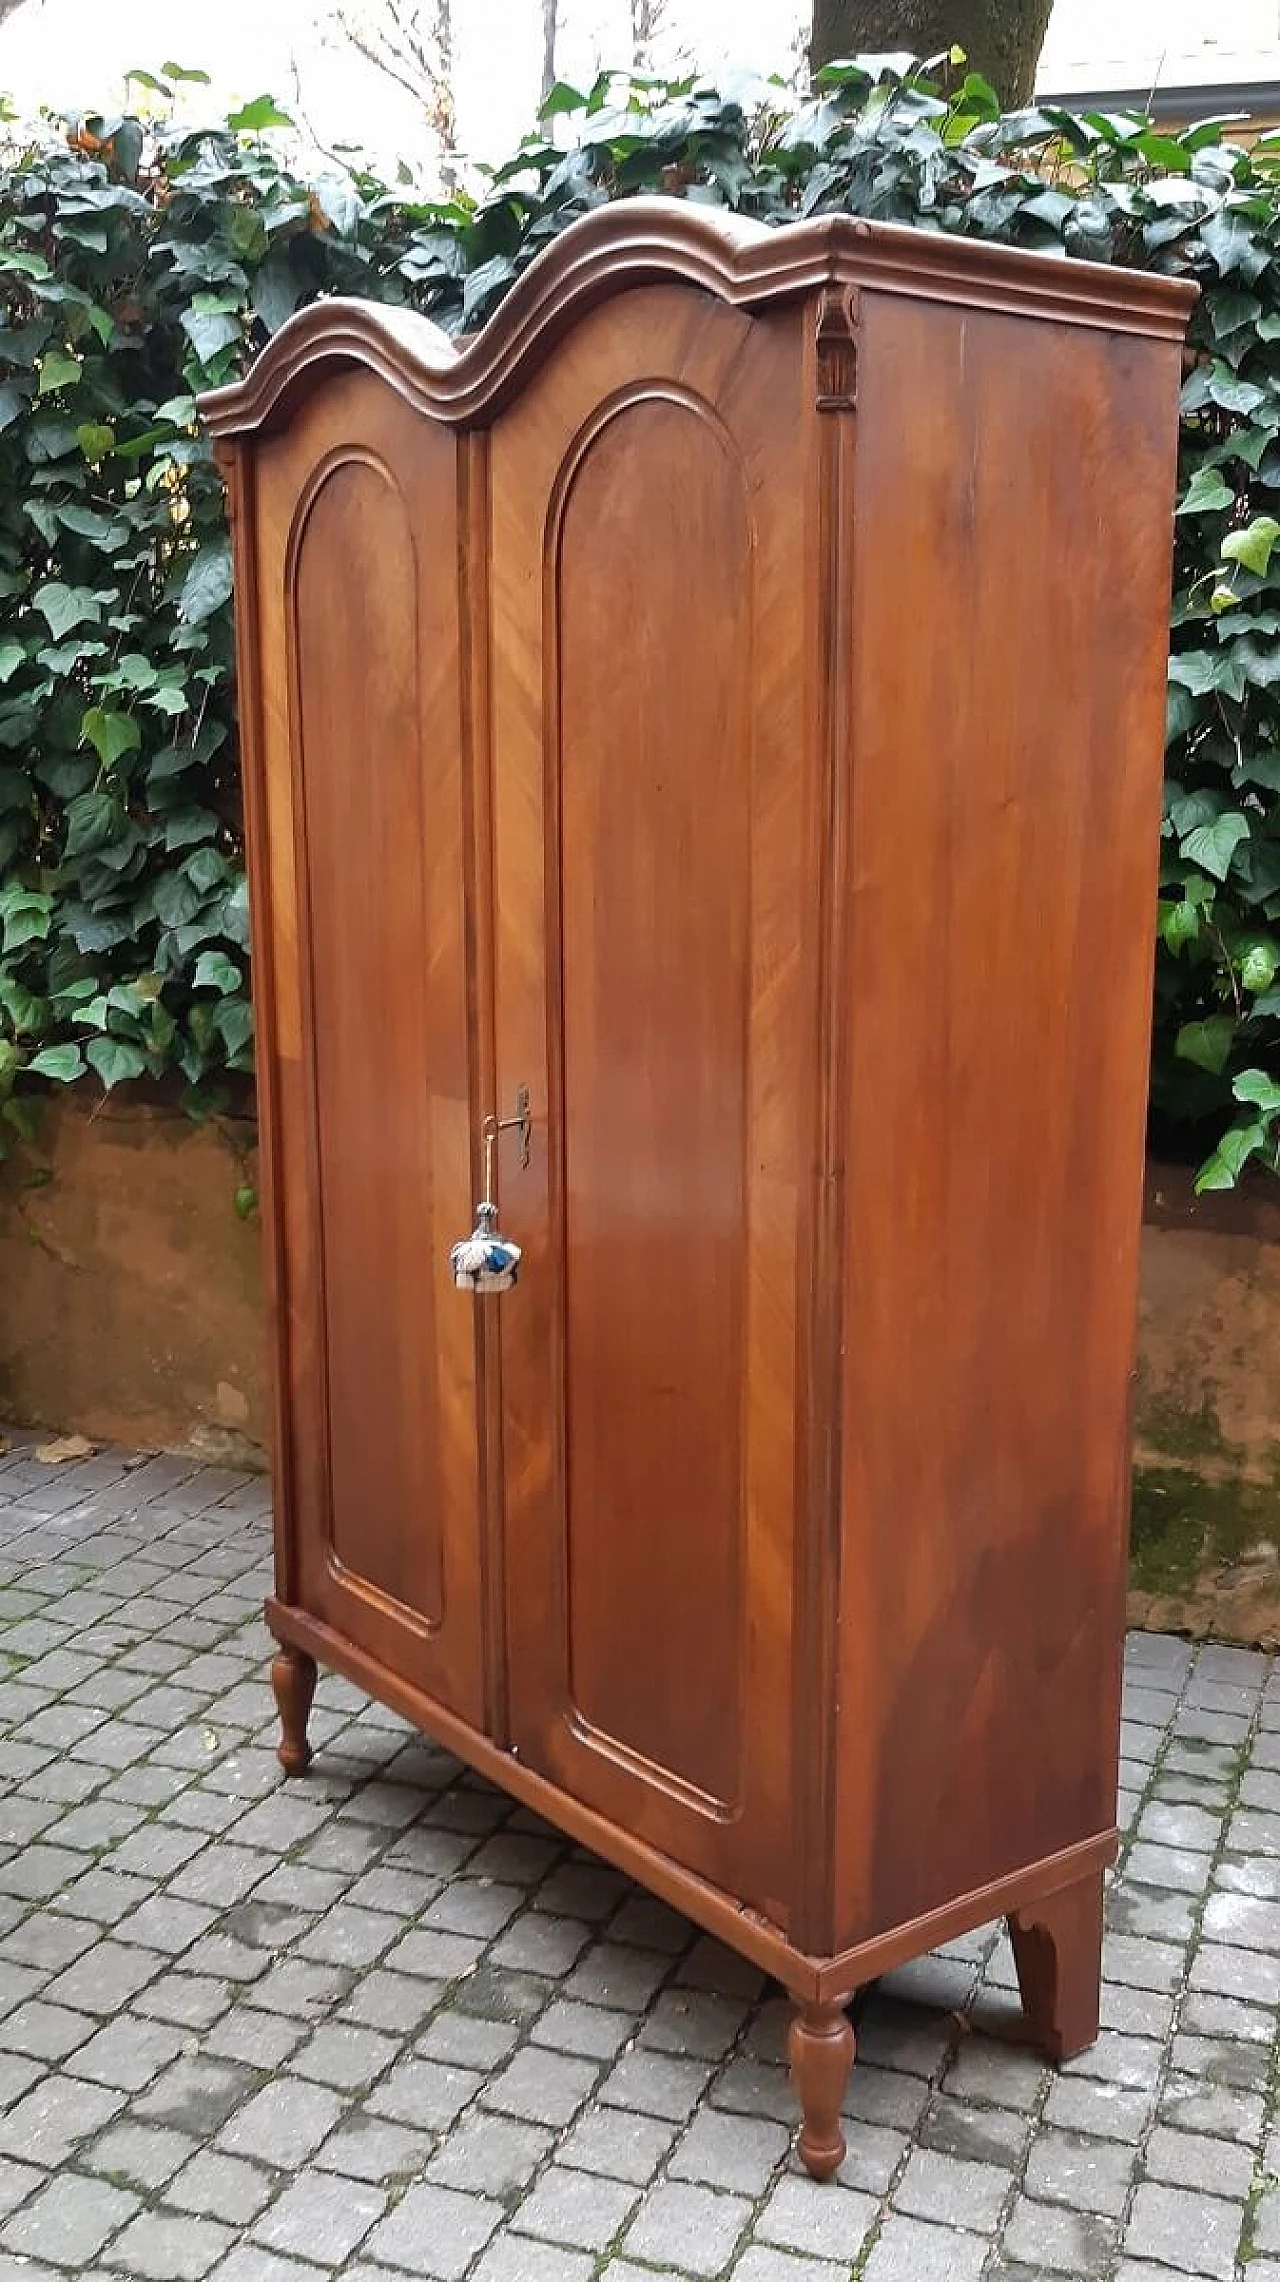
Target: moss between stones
1185 1524
1201 1505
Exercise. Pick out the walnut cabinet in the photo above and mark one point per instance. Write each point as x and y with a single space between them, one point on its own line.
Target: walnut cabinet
712 720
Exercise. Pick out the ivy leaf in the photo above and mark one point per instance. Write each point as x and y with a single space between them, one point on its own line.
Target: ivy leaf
1258 967
1233 394
1214 845
12 655
96 439
234 1020
207 585
94 820
1208 1043
483 283
58 369
27 915
216 971
116 1059
248 233
64 1062
254 118
1257 1087
63 607
110 734
1234 243
1253 546
1223 1169
1179 924
1206 494
211 323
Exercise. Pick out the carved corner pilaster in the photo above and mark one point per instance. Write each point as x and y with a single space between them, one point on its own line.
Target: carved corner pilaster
837 344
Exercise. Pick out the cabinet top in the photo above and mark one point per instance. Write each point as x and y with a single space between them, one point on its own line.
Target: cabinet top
638 241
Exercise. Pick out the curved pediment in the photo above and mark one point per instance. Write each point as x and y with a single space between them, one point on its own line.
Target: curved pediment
638 241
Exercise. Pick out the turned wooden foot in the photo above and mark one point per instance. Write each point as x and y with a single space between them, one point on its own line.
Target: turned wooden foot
293 1676
821 2048
1057 1947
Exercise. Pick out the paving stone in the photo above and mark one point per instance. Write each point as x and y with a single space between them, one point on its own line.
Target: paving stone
423 2092
618 2145
1225 2111
692 2225
1185 2159
322 2219
611 1975
657 2083
283 2123
161 2247
907 2251
576 2209
221 2187
547 2087
50 2120
370 2147
752 2088
982 2069
435 2231
344 2056
1248 1975
17 2181
591 2031
958 2193
1266 2216
491 2151
737 2152
45 2031
763 2262
1194 2233
1085 2174
509 2259
1059 2242
828 2221
1129 2061
965 2128
196 2095
69 2220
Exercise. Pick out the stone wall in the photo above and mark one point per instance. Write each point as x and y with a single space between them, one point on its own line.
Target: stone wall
130 1288
131 1310
1206 1512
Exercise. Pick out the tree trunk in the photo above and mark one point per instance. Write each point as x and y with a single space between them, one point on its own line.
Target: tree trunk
1001 38
550 26
446 109
644 22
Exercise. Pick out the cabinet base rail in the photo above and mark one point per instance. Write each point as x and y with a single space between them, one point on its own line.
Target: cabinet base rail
1054 1906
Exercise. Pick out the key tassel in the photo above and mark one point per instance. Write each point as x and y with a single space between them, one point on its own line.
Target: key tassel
485 1261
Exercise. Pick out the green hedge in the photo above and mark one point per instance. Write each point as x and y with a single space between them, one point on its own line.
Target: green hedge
138 266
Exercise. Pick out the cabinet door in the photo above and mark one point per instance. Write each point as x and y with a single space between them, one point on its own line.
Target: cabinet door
362 970
647 501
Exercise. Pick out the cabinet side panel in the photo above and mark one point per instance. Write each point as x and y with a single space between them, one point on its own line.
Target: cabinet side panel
1009 632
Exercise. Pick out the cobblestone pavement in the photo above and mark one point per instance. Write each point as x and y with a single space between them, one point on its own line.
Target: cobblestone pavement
384 2023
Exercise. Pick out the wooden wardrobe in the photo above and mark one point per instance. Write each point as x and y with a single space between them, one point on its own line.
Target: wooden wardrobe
711 722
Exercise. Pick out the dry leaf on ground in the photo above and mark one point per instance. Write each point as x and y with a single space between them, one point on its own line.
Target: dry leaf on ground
66 1447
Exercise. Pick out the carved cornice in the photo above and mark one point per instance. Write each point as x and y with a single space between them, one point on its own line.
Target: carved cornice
638 241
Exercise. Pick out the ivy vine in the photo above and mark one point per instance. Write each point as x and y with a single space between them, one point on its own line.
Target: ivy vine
140 264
